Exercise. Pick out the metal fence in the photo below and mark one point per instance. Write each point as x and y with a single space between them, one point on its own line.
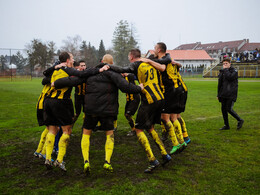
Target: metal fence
14 65
244 71
192 72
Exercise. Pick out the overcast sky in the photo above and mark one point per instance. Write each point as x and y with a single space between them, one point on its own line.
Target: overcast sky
174 22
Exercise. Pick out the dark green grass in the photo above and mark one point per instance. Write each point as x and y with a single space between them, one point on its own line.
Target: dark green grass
216 162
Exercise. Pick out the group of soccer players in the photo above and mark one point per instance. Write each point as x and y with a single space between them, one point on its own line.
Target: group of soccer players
161 91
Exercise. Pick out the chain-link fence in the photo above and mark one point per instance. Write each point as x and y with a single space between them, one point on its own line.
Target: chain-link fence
14 64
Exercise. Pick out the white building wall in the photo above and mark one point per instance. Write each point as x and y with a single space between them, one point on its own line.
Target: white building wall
195 63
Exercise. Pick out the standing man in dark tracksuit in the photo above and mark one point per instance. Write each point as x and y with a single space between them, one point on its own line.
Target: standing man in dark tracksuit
227 93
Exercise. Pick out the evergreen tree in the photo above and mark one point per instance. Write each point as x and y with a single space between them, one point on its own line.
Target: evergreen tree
101 50
123 41
92 56
51 51
19 61
88 54
83 50
132 41
3 63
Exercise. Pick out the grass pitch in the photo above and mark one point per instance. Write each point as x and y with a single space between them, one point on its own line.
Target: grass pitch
216 162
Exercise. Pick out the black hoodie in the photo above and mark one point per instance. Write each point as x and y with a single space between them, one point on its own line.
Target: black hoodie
228 84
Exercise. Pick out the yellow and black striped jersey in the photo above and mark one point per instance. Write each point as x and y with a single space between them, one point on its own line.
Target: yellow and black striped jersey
149 76
44 92
63 93
182 82
129 96
80 89
171 76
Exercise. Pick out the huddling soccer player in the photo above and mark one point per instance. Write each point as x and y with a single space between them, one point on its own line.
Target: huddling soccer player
46 82
132 103
150 108
79 91
58 109
171 88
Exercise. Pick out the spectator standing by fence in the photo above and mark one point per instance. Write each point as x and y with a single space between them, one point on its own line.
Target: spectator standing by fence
227 93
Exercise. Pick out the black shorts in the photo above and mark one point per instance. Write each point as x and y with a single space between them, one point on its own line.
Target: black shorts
107 122
175 101
40 117
79 103
58 112
131 107
148 115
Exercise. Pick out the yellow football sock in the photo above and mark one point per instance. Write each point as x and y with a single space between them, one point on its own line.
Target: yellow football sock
172 134
183 127
146 145
158 142
42 140
178 131
43 152
185 134
63 143
163 128
50 139
85 143
98 124
109 147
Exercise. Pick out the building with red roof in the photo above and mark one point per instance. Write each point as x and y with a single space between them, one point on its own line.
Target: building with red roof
250 47
217 50
189 58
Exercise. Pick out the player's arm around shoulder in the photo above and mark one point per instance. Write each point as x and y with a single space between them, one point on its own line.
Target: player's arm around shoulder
122 84
67 82
158 66
46 80
93 71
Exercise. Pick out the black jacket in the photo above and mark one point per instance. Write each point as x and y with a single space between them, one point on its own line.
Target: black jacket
101 95
228 84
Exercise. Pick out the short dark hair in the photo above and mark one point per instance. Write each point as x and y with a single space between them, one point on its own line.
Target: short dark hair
226 59
162 46
75 64
136 53
82 61
64 56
